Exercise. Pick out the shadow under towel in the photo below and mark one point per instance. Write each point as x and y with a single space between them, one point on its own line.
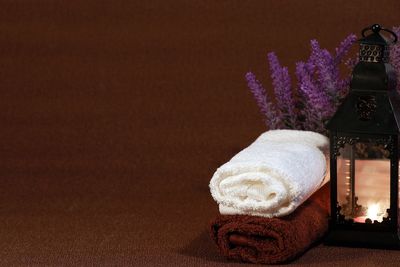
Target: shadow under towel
273 240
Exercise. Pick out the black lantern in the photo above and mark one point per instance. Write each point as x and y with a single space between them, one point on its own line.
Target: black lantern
364 157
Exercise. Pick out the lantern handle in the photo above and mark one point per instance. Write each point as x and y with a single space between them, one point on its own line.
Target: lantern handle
376 28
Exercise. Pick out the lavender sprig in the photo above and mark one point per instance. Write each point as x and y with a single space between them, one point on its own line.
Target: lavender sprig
324 64
344 48
272 118
316 102
319 90
283 91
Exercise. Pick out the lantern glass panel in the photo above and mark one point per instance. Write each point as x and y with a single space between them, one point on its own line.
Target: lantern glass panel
363 182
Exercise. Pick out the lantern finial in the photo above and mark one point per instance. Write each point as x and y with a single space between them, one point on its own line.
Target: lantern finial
376 28
374 47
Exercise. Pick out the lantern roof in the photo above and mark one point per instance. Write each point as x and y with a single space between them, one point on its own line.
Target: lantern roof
374 113
373 103
375 38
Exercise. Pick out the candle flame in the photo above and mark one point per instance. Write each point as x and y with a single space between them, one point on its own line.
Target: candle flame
373 211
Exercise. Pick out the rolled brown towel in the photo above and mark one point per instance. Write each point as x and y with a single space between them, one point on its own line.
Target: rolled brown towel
275 240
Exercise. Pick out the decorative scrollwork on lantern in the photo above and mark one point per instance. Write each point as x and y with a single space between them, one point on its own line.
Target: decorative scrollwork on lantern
340 141
387 144
366 107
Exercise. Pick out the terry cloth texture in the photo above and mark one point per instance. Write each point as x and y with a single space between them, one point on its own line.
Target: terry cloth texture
272 176
276 240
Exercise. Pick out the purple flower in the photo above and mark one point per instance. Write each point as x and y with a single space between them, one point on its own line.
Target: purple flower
273 120
283 90
325 67
344 48
320 88
352 62
317 103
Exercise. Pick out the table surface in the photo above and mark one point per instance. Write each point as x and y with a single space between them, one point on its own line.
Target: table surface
114 117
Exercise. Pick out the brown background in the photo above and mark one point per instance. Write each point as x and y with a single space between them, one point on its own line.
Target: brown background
114 116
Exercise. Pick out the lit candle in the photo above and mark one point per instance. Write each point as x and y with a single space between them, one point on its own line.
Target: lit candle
373 213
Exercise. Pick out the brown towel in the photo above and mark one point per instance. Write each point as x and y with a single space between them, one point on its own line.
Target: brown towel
276 240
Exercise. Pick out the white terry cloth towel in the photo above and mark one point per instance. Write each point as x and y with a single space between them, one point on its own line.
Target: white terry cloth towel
273 176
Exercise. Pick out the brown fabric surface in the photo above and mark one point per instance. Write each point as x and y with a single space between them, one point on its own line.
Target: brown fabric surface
276 240
115 114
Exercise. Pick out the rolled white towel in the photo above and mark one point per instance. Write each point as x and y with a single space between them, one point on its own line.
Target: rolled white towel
273 176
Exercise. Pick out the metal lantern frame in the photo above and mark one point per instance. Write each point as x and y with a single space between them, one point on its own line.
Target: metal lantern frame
370 113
